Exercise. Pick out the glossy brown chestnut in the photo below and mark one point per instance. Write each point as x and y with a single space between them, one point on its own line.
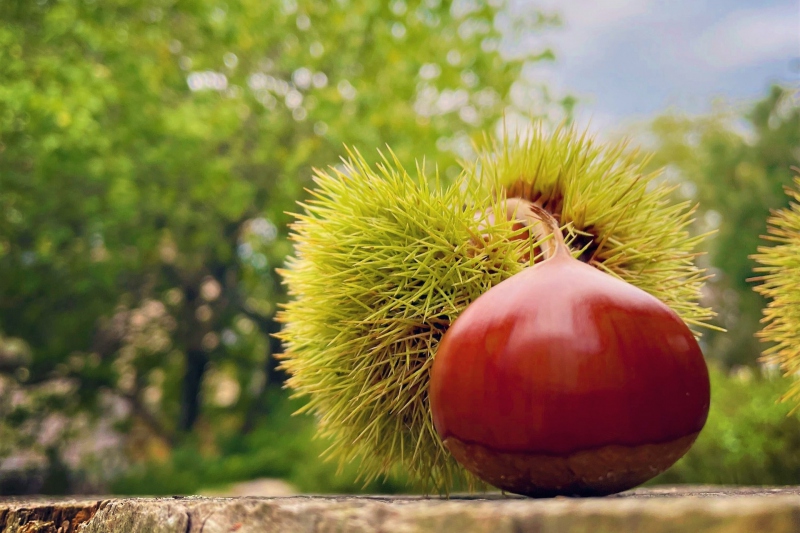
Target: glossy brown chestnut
566 380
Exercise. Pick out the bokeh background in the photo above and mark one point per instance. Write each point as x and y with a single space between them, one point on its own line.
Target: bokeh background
151 149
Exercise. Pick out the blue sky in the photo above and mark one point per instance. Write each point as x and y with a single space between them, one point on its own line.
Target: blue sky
629 59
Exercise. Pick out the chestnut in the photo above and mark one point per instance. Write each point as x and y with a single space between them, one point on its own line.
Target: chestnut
564 380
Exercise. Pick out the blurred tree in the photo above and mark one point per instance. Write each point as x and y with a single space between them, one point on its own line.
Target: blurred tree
149 150
749 438
735 164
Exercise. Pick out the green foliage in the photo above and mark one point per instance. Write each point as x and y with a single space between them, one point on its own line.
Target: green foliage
735 163
282 447
749 439
149 150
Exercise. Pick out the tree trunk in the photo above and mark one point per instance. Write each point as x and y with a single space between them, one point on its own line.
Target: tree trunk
196 361
274 377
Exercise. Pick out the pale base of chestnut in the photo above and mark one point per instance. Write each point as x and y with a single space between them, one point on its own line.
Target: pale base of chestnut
596 472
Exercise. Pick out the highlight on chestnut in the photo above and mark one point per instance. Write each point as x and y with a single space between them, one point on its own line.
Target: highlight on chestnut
526 326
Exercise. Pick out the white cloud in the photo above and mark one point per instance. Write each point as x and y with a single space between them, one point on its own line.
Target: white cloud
600 15
624 58
588 24
589 28
749 36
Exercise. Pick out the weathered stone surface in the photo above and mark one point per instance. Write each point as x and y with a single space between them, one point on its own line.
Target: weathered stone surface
664 510
29 516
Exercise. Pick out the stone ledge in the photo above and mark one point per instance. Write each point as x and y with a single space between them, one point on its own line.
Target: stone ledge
658 510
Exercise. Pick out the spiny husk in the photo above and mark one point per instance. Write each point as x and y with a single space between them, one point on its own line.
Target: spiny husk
385 262
627 222
780 265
